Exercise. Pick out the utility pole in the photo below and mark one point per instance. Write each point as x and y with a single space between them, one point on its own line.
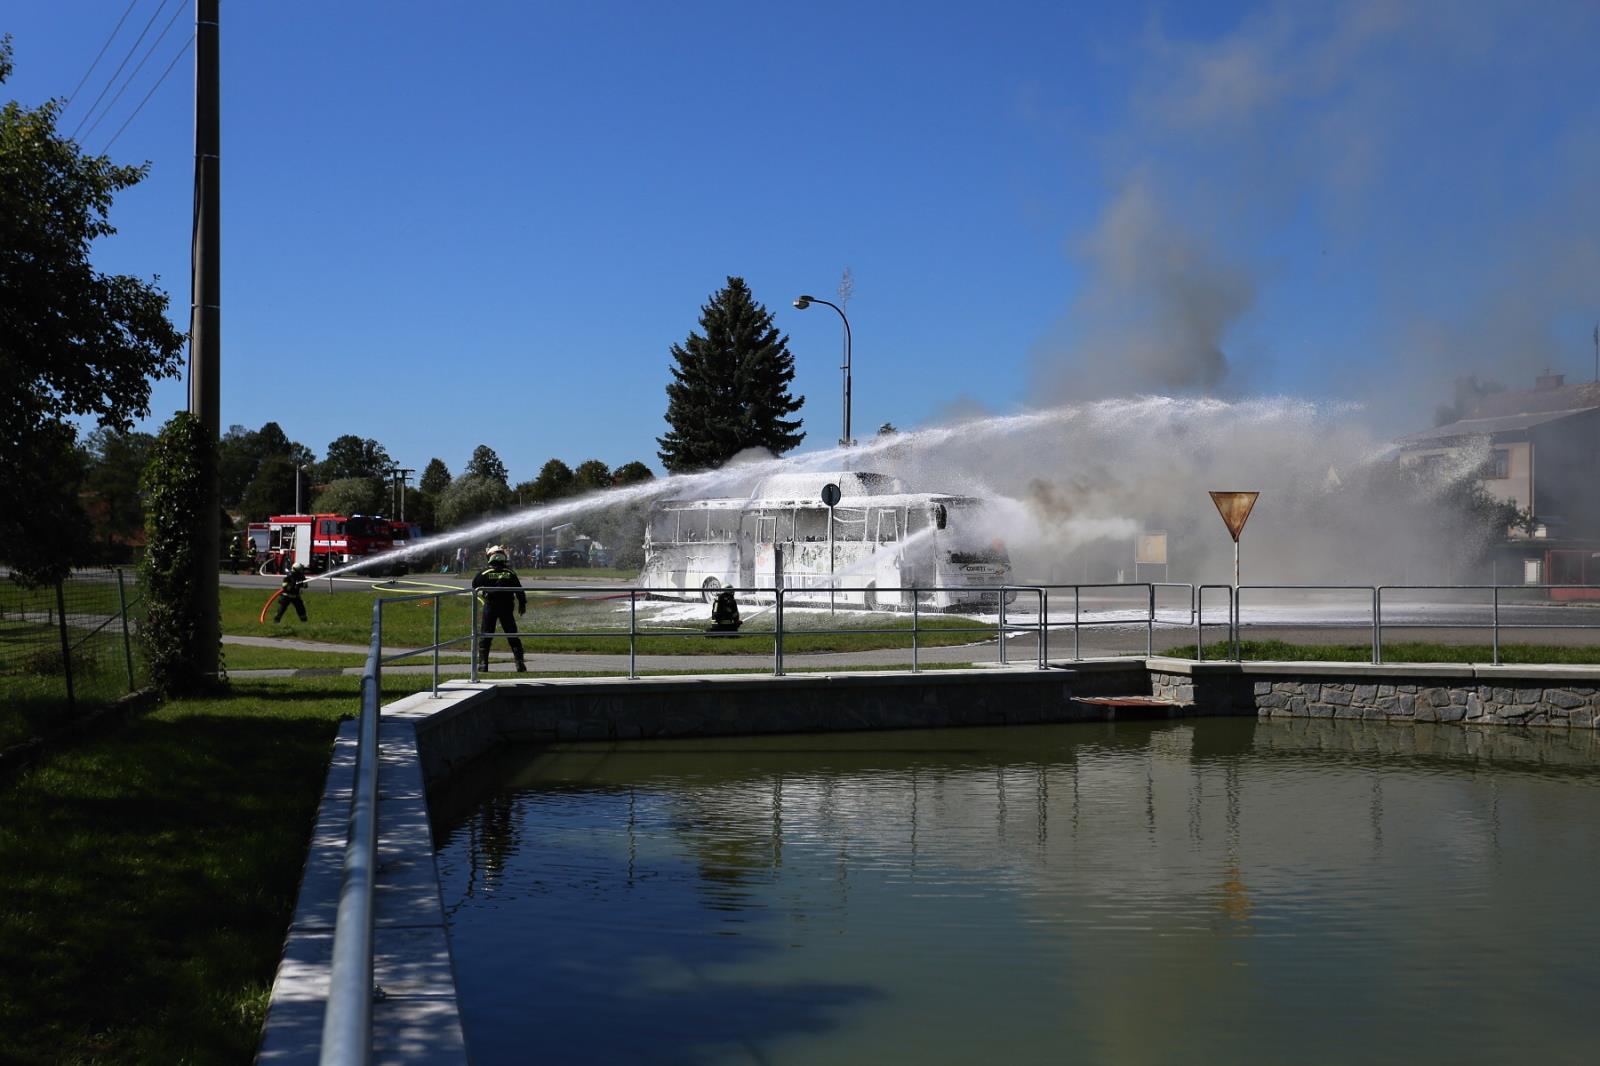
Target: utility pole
405 473
205 322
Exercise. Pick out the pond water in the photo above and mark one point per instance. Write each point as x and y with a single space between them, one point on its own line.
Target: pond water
1223 891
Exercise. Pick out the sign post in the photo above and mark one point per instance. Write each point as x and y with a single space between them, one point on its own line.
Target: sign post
1235 507
830 496
1150 549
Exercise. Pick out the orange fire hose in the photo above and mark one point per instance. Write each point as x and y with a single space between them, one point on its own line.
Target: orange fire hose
264 606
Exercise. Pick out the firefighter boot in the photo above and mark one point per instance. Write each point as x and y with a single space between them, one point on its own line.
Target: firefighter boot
522 667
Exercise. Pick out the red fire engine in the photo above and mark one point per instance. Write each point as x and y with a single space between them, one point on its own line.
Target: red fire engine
320 541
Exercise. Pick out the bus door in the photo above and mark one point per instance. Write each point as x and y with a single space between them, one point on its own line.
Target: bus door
767 533
750 529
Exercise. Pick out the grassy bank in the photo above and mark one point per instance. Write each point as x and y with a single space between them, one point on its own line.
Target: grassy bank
148 873
345 617
1397 652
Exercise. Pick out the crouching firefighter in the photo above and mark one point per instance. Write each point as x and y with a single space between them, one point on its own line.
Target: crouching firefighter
724 613
499 580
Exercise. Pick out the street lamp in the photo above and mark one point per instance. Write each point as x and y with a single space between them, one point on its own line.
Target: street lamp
800 305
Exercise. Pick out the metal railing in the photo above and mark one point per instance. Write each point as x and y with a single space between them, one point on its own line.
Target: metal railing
778 598
1376 623
347 1021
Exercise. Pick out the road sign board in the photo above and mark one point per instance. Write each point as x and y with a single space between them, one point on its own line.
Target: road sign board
1151 549
1234 507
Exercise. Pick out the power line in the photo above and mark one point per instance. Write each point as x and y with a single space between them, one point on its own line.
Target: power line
118 72
129 81
148 95
101 55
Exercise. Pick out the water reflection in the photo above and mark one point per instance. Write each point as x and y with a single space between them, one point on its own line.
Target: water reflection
1217 891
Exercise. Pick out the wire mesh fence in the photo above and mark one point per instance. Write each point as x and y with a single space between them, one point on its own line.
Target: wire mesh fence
65 650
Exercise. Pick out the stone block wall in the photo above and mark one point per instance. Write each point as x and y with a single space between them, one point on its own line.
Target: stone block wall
1557 697
1569 704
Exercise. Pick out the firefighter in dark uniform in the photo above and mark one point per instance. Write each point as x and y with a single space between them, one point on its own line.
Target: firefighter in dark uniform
293 582
724 613
497 606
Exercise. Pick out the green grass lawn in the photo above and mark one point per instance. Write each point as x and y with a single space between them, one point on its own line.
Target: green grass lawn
346 617
1396 652
33 677
148 873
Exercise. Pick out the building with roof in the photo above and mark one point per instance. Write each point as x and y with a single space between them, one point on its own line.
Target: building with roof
1538 450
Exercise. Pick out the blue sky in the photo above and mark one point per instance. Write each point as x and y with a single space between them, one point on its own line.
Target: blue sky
446 225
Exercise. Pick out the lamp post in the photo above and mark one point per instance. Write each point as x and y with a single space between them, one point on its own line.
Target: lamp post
299 472
800 305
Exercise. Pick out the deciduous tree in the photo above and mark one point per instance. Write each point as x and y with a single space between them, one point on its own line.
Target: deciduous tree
352 495
116 461
555 480
631 473
74 342
271 491
591 475
470 498
353 456
242 451
485 463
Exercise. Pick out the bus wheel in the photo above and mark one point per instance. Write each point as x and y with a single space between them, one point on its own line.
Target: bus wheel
870 597
708 591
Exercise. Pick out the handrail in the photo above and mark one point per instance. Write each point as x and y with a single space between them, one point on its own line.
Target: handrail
347 1022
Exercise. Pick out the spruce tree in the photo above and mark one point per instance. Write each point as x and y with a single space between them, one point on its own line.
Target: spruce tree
730 387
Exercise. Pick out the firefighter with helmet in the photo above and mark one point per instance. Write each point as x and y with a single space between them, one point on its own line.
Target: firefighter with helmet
498 580
724 613
293 582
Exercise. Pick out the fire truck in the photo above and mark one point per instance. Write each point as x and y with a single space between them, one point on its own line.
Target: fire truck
320 541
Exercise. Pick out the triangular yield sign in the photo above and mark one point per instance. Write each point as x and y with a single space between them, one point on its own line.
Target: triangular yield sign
1234 507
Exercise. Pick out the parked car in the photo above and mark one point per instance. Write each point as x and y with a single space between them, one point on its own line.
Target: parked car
600 557
565 557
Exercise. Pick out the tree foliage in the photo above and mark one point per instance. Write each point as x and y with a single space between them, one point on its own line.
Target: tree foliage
730 387
485 463
352 495
631 473
271 491
435 477
171 566
116 461
469 498
74 342
353 456
555 480
47 532
591 476
241 452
